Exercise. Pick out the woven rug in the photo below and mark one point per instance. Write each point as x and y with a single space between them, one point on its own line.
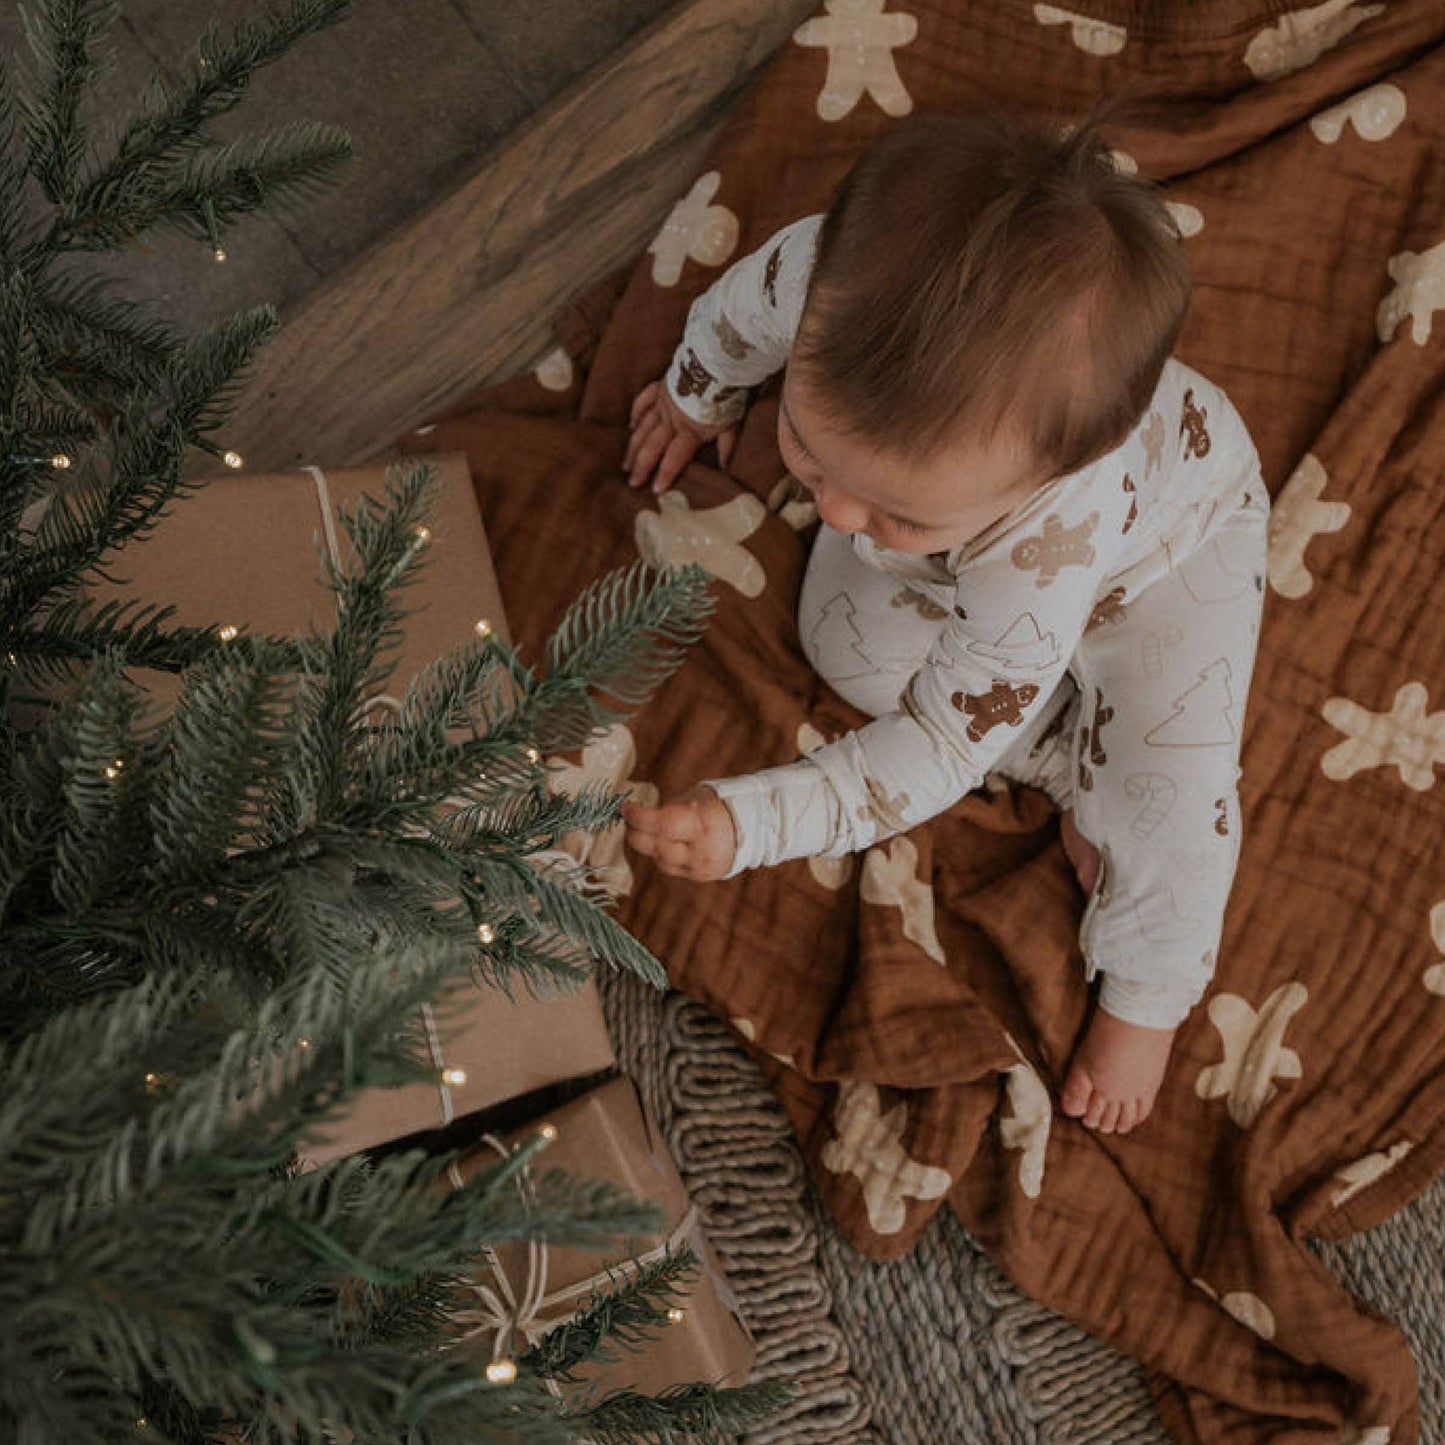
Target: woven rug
937 1348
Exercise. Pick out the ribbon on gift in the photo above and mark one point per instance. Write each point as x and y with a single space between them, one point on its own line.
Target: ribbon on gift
531 1313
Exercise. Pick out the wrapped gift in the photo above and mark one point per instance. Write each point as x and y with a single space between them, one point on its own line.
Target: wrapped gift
487 1048
243 552
523 1291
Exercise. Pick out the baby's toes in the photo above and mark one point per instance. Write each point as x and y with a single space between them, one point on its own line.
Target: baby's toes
1129 1116
1077 1092
1099 1106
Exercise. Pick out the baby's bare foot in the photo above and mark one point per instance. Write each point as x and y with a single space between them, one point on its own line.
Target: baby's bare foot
1115 1074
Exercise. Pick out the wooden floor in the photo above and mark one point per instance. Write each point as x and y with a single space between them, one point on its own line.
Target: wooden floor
464 292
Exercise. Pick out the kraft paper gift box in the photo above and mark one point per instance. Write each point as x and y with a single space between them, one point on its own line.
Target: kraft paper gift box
243 551
520 1292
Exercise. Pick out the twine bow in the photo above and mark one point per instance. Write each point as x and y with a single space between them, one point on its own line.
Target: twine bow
529 1315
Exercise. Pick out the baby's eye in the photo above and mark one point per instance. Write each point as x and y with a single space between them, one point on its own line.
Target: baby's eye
915 529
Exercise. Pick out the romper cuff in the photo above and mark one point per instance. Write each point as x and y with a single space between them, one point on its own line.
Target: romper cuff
1150 1003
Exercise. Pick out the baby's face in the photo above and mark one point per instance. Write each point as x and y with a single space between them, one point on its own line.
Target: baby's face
901 506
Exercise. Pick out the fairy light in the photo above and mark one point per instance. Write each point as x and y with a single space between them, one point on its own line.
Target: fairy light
676 1316
219 253
422 535
234 460
502 1372
533 756
60 462
153 1082
486 933
304 1043
113 770
454 1078
229 633
483 628
547 1133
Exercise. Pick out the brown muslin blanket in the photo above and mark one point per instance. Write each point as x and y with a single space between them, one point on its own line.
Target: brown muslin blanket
915 1008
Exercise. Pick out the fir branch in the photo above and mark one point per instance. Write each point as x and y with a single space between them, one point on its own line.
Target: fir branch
210 190
685 1413
173 119
76 630
633 629
12 171
61 34
631 1313
561 906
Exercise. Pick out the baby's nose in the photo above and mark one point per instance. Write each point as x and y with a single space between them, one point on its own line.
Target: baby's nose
840 511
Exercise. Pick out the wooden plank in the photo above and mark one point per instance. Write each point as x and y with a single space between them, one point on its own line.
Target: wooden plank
463 294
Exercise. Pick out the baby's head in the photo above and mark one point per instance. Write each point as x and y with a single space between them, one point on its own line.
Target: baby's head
982 283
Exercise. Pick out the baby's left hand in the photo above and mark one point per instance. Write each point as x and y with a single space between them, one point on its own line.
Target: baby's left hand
690 836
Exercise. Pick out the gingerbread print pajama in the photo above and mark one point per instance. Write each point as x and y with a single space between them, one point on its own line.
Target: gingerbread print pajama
1097 642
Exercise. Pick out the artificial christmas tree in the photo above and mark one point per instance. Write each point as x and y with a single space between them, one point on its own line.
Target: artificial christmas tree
222 917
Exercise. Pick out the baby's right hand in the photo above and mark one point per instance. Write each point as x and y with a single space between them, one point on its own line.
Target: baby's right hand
664 439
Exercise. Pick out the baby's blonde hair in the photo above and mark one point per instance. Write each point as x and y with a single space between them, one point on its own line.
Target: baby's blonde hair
977 273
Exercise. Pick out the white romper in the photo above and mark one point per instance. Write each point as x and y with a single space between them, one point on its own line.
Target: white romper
1096 642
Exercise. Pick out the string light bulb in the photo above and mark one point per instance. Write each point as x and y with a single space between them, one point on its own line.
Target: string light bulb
486 933
112 771
304 1043
234 460
533 756
502 1372
153 1082
219 253
60 462
454 1078
547 1133
229 633
422 535
483 628
676 1316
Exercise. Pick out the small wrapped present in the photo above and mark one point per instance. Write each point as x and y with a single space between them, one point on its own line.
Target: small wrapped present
524 1291
487 1048
242 552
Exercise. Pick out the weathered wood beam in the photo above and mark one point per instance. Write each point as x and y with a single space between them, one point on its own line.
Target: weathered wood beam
464 294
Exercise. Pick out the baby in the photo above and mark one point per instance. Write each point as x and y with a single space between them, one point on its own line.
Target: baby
1042 549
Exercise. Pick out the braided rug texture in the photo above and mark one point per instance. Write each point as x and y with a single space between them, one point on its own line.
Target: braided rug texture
938 1348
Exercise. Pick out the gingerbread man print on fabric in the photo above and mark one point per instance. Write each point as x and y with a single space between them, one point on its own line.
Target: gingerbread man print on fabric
1247 1308
1108 610
860 40
884 812
1255 1054
731 339
1094 37
890 879
1092 754
695 228
1376 114
1364 1172
869 1145
608 758
1300 37
1296 519
1408 738
924 606
1132 492
770 275
1025 1122
1419 278
1434 978
675 535
1152 435
1192 428
1055 548
1002 704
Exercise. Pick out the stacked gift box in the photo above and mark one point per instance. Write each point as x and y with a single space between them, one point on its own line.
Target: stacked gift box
244 553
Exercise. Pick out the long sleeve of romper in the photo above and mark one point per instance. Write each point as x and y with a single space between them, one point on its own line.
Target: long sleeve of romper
740 330
1022 602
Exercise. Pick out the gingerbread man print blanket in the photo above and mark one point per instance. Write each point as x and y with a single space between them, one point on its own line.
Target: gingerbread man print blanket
915 1007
